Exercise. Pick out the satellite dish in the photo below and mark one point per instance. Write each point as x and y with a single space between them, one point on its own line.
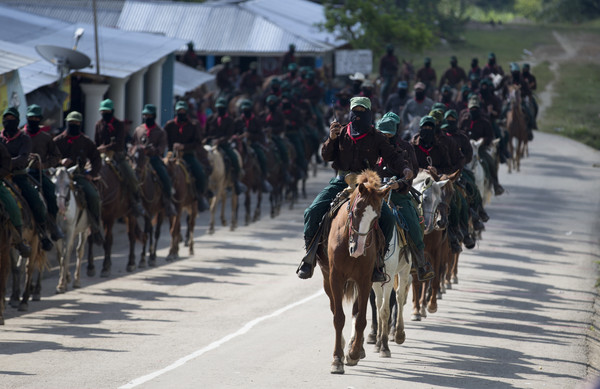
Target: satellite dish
65 59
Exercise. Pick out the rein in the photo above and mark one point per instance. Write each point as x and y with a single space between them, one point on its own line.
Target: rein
350 224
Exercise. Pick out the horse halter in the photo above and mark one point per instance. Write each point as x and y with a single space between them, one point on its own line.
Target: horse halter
352 231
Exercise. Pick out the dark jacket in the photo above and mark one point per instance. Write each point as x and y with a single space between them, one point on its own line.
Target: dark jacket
154 136
43 145
19 149
106 131
79 148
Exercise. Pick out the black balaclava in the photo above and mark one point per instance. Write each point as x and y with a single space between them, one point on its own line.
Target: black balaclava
427 136
516 76
360 122
474 63
492 62
452 126
11 126
453 63
273 106
33 125
106 116
73 129
419 94
367 92
485 91
247 112
474 84
286 104
356 87
222 111
446 97
475 114
402 92
150 120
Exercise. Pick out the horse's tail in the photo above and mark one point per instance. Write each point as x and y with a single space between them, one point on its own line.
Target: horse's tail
350 291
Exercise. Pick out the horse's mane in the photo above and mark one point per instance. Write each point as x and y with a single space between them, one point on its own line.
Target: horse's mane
369 178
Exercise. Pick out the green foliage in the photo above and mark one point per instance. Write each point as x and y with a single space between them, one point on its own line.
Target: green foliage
530 9
410 24
575 11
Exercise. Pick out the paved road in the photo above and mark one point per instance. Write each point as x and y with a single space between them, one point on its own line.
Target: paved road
235 315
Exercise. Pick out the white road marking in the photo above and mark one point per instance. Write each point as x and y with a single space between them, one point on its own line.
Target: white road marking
218 343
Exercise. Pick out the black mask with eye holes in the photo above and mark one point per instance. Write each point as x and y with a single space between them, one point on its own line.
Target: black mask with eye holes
361 122
427 137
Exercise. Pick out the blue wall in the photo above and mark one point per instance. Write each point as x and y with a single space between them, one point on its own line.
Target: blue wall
168 80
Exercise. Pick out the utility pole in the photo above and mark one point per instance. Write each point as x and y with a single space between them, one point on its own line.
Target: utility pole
96 37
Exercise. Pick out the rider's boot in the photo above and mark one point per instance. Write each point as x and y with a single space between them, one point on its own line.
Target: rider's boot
424 269
455 237
136 204
239 187
266 186
47 244
170 210
20 244
55 231
498 189
96 230
483 214
379 270
476 220
307 265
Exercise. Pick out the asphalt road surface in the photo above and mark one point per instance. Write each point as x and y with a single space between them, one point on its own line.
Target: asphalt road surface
235 314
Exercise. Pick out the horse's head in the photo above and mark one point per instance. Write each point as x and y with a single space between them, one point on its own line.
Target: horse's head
475 144
63 182
138 161
432 200
514 96
364 208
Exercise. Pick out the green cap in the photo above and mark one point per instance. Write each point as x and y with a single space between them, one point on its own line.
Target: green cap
107 105
427 60
526 66
437 114
293 66
440 107
392 116
149 109
491 55
427 120
362 101
221 102
275 81
453 59
272 99
452 113
225 59
11 111
386 125
34 110
514 67
473 102
181 105
446 88
246 104
74 117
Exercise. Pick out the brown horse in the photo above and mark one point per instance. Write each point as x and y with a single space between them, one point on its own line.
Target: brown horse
252 178
115 204
185 200
352 245
434 200
219 181
516 125
5 246
153 200
37 261
276 177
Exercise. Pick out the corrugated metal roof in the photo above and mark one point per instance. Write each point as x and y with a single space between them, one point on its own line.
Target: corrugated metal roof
216 28
122 53
10 60
299 16
188 79
74 11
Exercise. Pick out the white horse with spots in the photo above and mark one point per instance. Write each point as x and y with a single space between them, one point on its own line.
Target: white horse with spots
484 184
75 222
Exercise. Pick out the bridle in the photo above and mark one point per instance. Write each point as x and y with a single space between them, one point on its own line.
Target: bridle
352 231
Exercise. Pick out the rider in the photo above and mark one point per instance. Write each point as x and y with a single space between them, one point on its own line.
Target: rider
44 148
251 81
475 69
492 67
219 130
152 140
288 57
532 83
275 125
224 77
396 101
446 99
77 149
516 79
419 106
19 147
356 147
252 128
293 123
10 205
183 136
477 126
454 76
402 200
388 69
110 140
427 76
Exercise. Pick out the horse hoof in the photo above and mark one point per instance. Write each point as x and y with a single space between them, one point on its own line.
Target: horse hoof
13 303
152 262
385 354
455 280
372 338
60 290
448 285
91 272
23 307
363 354
415 317
76 285
350 361
337 367
130 268
142 264
36 297
432 308
211 231
105 273
400 338
1 321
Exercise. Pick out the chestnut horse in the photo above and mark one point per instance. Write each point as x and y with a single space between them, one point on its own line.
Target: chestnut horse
353 243
185 200
219 181
115 204
516 125
153 200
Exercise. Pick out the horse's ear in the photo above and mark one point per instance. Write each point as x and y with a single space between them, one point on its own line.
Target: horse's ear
351 179
442 183
362 189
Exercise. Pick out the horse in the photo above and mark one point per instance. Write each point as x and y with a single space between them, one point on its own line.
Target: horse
483 182
37 261
115 204
153 200
219 182
74 221
347 257
276 177
5 259
435 218
516 125
397 267
185 200
252 178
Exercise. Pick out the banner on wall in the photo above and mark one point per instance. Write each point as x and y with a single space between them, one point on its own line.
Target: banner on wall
11 94
352 61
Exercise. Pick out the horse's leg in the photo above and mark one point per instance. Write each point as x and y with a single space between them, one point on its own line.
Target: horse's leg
435 282
131 223
191 224
16 278
63 262
404 279
416 298
223 200
247 206
372 337
36 293
91 269
24 304
83 236
212 211
4 269
360 322
234 209
146 241
108 241
454 272
258 206
175 230
339 319
383 307
423 298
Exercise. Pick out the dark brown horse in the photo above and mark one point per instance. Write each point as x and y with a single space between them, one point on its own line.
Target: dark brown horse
252 178
347 259
185 200
276 177
115 204
153 200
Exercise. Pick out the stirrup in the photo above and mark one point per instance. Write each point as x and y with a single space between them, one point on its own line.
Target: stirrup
303 272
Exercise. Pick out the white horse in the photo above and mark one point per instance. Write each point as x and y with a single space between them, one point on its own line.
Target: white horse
218 182
397 263
484 184
75 222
